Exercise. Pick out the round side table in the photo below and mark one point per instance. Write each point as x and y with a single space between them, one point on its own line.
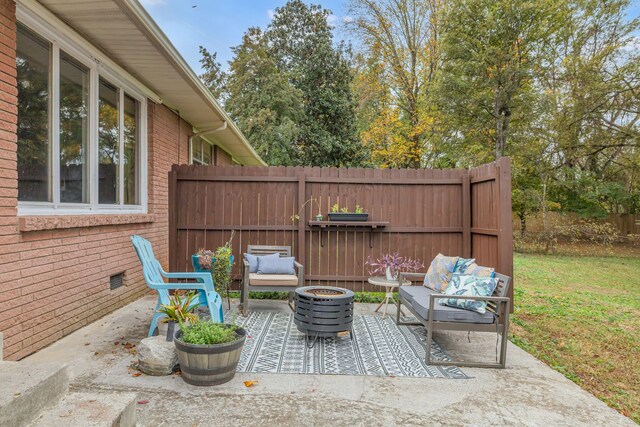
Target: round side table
389 286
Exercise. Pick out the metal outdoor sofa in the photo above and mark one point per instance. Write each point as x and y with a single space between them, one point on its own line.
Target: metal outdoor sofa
421 302
253 282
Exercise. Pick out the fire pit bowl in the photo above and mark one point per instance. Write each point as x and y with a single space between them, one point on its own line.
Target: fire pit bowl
323 311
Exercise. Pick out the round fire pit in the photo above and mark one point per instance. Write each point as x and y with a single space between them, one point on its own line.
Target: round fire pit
323 311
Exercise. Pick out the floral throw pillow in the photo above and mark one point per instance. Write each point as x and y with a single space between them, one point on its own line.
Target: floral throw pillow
463 264
440 271
474 269
462 284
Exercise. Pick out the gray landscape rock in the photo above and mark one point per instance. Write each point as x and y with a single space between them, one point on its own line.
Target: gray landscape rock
157 356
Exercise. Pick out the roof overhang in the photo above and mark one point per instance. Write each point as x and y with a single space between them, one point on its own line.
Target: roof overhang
124 31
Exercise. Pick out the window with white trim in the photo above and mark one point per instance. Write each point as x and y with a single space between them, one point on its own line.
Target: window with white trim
81 132
202 152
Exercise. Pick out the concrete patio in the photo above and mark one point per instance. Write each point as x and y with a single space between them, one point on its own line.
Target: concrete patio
526 393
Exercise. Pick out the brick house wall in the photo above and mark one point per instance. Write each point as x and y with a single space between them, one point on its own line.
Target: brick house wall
54 271
222 157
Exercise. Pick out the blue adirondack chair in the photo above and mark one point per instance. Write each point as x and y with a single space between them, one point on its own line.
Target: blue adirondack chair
154 275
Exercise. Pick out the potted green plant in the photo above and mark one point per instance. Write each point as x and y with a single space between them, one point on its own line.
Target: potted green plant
344 214
219 263
313 201
179 310
209 352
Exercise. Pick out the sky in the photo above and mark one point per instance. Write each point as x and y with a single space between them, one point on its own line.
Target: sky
219 25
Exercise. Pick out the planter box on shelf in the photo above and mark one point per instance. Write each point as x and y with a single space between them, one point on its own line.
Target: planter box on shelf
348 216
205 365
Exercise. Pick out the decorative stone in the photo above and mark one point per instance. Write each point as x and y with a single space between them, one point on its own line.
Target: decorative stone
157 356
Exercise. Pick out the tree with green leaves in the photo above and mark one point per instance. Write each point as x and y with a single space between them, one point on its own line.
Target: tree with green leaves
490 50
399 63
301 42
267 108
289 89
213 75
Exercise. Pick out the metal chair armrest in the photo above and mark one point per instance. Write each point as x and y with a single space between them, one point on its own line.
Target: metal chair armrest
469 297
300 269
409 277
434 297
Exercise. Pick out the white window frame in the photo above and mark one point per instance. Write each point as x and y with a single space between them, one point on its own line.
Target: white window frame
193 160
63 38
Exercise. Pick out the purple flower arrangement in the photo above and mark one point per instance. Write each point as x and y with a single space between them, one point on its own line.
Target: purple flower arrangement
393 264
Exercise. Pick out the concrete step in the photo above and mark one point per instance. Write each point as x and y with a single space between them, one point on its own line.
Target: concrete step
28 388
89 409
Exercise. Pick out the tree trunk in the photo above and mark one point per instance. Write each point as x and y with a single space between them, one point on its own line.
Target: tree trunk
413 162
523 224
503 118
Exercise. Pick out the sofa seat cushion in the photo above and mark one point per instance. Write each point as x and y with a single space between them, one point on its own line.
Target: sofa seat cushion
418 297
256 279
410 292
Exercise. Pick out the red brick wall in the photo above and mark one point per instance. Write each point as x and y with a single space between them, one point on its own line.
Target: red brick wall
54 281
10 281
222 157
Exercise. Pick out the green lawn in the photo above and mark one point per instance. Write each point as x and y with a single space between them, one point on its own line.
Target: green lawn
581 316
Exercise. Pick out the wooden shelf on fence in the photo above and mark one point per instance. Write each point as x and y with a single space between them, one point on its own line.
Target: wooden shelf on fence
371 225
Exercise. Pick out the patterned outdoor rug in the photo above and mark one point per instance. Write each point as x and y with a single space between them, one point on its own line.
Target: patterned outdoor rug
379 348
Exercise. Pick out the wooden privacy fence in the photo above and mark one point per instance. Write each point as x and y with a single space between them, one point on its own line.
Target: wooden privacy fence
454 212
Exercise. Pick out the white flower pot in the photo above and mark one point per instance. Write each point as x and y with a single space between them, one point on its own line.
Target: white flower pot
391 276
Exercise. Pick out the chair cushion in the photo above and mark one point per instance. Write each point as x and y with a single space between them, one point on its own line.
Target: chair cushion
477 270
253 260
462 284
439 273
444 313
256 279
268 265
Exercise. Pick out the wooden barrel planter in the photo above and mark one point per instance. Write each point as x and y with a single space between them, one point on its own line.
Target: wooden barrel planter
213 364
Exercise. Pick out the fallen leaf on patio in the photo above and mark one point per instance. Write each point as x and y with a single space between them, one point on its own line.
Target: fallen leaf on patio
250 383
143 402
136 374
87 343
17 394
96 353
128 345
116 343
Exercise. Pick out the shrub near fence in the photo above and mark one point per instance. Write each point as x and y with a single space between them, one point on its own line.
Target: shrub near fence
456 212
